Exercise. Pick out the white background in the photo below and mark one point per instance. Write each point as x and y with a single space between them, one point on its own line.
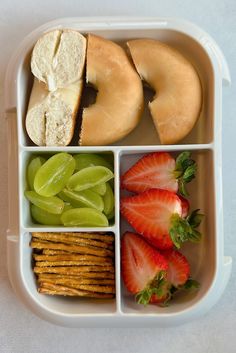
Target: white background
20 330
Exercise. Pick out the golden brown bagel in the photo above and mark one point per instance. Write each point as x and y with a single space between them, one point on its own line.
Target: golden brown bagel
177 103
119 102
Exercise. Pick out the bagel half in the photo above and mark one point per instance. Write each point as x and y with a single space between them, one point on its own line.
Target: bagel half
51 116
58 58
119 101
177 103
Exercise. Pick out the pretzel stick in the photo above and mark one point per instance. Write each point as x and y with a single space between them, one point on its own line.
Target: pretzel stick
54 252
65 272
72 248
54 289
73 280
73 263
70 239
108 238
71 257
76 270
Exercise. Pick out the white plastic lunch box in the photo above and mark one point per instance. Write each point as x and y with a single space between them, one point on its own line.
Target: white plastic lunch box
208 263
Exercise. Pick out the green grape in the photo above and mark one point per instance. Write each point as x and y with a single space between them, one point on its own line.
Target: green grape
111 215
52 177
84 217
85 198
108 199
32 169
67 207
64 196
100 189
43 217
48 219
89 177
50 204
85 160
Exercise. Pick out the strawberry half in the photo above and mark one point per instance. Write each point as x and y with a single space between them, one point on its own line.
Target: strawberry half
143 268
178 276
160 170
179 269
157 215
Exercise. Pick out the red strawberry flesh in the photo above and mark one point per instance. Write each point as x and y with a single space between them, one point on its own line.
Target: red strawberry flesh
154 170
140 262
185 206
179 269
150 214
177 275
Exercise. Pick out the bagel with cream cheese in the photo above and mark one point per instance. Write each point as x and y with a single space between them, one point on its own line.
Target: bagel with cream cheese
57 63
51 116
58 58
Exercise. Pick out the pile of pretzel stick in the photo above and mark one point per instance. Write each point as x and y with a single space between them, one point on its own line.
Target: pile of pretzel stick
74 264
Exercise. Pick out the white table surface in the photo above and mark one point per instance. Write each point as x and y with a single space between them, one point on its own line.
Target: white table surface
20 330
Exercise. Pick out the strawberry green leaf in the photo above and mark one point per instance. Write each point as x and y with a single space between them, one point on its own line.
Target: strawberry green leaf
191 284
156 286
195 218
184 229
185 170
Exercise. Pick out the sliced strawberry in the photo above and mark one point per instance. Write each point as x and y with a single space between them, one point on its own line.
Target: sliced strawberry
143 267
157 215
164 298
154 170
177 276
185 206
179 269
160 170
150 214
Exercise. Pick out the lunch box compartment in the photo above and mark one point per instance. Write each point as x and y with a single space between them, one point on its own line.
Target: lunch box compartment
191 49
59 304
25 214
200 255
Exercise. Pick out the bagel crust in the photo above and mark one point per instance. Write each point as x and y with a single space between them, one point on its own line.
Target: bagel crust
177 103
119 101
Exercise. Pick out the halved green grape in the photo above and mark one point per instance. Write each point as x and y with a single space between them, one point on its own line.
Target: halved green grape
50 204
85 160
111 215
108 199
62 195
52 177
84 217
43 217
32 169
100 189
85 198
89 177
